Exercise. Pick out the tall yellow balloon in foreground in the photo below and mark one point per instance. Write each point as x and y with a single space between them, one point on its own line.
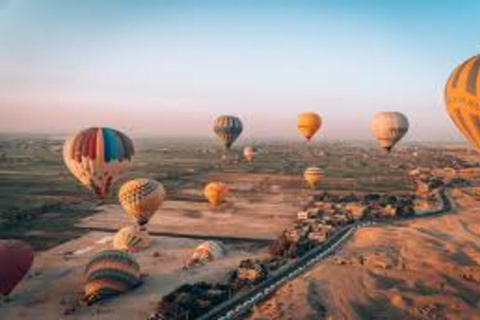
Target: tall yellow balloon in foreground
313 176
216 192
462 98
97 157
389 128
141 198
308 124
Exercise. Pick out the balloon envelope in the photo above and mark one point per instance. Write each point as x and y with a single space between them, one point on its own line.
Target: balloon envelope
308 124
208 250
141 198
388 128
109 273
313 176
131 239
462 98
97 157
249 153
216 192
16 258
228 129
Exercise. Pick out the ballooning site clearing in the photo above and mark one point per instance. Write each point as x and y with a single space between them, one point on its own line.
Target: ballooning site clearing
264 199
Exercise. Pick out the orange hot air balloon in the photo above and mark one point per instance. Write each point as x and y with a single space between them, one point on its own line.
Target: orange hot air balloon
313 176
249 153
462 99
308 124
216 192
97 157
16 258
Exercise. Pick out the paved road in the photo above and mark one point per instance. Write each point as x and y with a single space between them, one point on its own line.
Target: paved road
240 305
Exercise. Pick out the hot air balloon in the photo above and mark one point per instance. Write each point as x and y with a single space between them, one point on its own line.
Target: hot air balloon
228 129
141 198
97 157
462 98
16 258
109 273
216 192
131 239
313 176
388 128
249 153
308 124
207 251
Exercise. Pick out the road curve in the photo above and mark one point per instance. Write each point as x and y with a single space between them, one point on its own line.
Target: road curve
240 305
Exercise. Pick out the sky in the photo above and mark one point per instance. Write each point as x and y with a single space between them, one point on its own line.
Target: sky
168 68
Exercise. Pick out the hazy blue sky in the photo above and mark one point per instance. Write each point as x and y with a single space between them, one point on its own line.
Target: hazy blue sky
169 67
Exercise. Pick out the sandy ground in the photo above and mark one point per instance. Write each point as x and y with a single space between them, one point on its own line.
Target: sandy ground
424 269
258 206
55 283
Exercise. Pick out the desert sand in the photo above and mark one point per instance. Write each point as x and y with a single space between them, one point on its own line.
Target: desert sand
259 206
54 286
423 269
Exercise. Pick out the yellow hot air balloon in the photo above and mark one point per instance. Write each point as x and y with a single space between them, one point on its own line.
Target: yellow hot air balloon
308 124
216 192
141 198
462 98
97 157
228 129
389 128
249 153
131 239
313 176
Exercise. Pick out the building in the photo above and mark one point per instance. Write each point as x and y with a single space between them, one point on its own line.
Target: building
357 210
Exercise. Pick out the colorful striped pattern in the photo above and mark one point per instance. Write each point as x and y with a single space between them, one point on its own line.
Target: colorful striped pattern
388 128
141 198
131 239
97 156
109 273
313 175
462 97
228 129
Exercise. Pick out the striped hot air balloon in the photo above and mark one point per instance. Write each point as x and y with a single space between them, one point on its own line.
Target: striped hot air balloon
216 192
207 251
141 198
109 273
16 258
131 239
228 129
462 98
389 128
308 124
313 176
97 157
